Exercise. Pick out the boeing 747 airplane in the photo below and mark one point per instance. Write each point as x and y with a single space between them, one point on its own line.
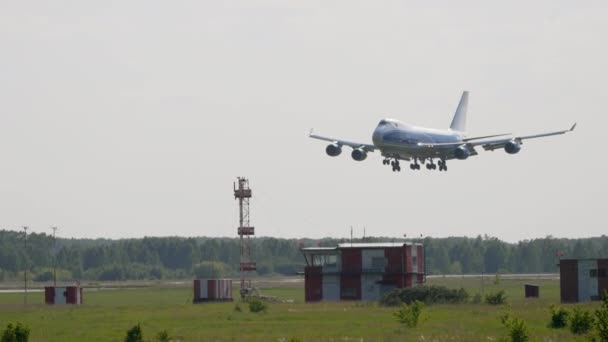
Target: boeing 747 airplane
400 141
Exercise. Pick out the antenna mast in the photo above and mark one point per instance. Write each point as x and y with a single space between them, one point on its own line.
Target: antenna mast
242 193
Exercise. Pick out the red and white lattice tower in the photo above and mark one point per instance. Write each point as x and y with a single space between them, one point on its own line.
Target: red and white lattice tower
242 192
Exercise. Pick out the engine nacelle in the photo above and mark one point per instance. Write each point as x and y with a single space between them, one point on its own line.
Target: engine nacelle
512 147
359 154
462 153
333 150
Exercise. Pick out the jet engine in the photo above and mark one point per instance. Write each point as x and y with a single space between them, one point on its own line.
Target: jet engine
462 153
359 154
333 150
512 147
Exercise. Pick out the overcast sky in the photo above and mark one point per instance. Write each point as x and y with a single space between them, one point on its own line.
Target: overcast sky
133 118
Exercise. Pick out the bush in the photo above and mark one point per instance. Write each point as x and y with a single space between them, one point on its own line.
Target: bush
496 298
518 331
581 321
257 305
16 333
559 317
237 308
135 334
426 294
409 314
601 318
163 336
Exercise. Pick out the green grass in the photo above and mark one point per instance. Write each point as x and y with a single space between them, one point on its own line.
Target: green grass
106 316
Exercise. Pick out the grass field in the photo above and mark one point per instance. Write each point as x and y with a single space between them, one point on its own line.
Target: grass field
106 315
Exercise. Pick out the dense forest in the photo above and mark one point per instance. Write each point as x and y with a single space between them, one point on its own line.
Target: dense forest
179 258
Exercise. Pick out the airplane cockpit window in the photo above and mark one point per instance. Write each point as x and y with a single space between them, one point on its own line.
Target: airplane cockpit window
382 122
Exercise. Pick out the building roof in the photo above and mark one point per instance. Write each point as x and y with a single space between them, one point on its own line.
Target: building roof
346 245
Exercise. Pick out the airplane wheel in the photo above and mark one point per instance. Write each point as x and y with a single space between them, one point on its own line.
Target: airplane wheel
398 168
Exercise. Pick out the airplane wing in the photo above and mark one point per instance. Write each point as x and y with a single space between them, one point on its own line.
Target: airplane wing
366 147
491 145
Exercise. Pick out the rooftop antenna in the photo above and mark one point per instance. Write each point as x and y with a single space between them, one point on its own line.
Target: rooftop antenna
242 192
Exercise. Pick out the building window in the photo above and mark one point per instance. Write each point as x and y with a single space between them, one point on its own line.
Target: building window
331 260
593 273
414 261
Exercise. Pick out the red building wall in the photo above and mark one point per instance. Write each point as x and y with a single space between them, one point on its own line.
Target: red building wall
197 289
350 287
49 295
420 277
568 281
602 282
351 261
313 284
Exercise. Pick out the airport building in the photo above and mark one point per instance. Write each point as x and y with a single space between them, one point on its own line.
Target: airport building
582 280
361 271
63 295
212 290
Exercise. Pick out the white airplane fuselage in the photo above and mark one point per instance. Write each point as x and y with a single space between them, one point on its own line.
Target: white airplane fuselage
398 139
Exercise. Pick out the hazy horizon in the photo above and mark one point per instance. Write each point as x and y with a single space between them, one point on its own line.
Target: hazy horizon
126 119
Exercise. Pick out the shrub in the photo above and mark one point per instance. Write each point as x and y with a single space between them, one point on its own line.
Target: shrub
257 305
496 298
426 294
559 317
518 331
163 336
581 321
237 308
135 334
16 333
601 318
409 314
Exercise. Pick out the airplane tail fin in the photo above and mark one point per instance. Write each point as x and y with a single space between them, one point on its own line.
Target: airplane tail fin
459 122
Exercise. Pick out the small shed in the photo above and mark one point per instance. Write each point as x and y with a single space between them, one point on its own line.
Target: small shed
63 295
532 291
212 290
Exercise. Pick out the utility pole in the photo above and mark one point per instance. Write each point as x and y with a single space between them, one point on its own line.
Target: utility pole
54 257
25 271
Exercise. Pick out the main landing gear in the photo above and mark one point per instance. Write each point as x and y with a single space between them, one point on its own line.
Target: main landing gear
430 164
393 163
442 165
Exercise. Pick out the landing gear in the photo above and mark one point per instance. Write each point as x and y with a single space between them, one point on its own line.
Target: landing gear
396 166
415 165
430 165
442 165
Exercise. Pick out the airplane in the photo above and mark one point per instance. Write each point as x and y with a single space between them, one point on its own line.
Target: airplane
400 141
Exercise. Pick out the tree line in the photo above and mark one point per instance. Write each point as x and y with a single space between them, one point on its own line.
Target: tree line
181 258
